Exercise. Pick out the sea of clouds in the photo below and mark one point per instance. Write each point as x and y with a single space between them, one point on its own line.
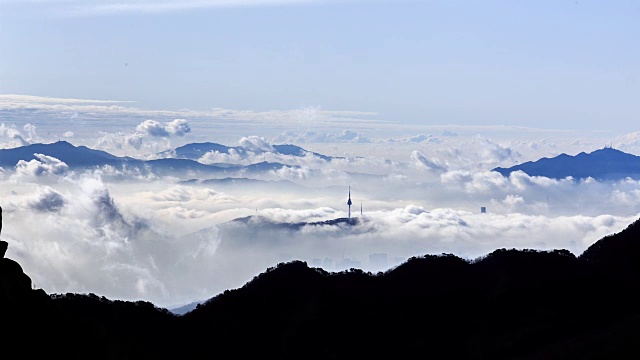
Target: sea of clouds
130 235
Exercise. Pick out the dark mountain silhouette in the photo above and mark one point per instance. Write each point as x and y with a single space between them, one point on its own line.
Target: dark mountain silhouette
616 250
74 156
195 151
509 304
294 150
82 157
265 166
603 164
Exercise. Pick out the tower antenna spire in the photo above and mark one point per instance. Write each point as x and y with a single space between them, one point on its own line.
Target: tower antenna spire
349 202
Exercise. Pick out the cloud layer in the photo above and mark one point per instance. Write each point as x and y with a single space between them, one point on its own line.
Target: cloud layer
173 243
131 233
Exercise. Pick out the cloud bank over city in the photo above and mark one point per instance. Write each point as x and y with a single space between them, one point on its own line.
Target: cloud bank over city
171 237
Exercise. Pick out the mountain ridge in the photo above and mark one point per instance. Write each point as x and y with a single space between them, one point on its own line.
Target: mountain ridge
82 157
602 164
195 151
509 304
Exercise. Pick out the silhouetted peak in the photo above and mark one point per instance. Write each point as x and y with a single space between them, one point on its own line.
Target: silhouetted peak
289 149
606 152
441 271
602 164
286 275
63 143
417 265
526 260
59 145
3 244
619 248
14 283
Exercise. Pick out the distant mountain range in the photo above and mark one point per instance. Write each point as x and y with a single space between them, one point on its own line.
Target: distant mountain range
604 164
195 151
82 157
509 304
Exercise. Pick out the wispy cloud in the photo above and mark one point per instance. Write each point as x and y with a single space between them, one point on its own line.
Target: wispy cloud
8 99
111 7
55 117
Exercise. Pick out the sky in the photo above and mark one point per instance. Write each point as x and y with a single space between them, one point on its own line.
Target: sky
415 101
568 65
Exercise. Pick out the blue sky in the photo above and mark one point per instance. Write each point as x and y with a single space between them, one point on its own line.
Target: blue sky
547 64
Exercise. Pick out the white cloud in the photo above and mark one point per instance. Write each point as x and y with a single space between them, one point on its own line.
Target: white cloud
417 139
233 157
482 182
153 128
346 136
433 164
178 127
11 137
134 144
513 201
629 198
494 153
255 149
628 142
292 173
45 199
80 239
41 166
256 144
32 136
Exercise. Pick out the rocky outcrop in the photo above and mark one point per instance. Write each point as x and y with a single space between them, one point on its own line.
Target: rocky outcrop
3 244
3 248
15 285
75 326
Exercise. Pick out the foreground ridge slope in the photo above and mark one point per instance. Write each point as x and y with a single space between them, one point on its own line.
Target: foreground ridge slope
509 304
